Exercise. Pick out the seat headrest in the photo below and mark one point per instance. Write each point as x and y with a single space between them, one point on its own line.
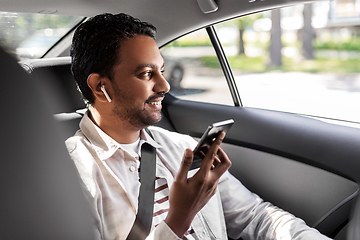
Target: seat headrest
54 76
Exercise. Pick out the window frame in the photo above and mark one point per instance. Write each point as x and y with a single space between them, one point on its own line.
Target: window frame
225 66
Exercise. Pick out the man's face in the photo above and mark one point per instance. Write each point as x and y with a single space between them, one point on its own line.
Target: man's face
138 83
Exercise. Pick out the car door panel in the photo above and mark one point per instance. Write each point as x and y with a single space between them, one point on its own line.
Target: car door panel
308 192
305 166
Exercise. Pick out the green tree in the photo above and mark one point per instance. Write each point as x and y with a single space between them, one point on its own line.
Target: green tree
242 23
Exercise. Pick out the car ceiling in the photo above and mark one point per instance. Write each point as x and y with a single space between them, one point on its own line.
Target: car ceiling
172 18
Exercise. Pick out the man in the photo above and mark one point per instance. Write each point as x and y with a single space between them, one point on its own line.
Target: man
118 68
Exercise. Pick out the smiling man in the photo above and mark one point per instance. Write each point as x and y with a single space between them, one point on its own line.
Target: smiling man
118 69
136 87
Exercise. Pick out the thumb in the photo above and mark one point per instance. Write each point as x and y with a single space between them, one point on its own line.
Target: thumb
185 165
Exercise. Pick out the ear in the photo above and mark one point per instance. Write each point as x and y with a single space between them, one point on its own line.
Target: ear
95 81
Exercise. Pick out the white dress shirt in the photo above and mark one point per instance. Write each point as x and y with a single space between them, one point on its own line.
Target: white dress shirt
110 177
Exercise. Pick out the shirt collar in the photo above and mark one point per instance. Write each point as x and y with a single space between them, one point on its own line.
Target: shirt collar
103 144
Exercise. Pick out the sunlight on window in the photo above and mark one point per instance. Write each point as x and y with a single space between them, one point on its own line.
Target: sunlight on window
32 35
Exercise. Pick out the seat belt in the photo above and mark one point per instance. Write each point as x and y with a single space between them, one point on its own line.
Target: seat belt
142 225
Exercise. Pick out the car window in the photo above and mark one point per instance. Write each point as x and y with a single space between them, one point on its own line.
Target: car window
303 59
32 35
190 78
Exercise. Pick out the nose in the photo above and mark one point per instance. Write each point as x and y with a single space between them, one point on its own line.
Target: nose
161 84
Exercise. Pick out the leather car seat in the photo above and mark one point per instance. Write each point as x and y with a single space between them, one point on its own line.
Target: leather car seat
41 197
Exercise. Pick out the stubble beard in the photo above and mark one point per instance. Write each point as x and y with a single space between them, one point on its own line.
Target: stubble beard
137 118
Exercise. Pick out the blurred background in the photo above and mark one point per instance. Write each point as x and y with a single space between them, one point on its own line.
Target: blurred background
303 59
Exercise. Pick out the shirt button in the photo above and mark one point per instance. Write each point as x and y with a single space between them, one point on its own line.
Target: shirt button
132 169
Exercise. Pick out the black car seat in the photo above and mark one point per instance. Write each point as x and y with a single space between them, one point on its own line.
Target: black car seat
354 226
53 75
41 197
57 84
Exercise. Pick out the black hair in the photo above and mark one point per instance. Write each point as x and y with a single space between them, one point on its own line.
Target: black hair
96 45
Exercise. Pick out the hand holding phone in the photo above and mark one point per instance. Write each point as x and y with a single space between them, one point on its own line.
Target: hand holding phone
189 194
207 138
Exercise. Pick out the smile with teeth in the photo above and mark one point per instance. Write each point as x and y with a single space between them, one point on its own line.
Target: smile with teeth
155 103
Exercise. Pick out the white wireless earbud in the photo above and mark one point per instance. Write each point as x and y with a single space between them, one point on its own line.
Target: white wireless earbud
105 93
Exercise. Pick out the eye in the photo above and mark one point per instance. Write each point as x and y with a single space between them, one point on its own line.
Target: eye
146 74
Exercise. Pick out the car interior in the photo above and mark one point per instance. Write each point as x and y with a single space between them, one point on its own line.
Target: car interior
303 165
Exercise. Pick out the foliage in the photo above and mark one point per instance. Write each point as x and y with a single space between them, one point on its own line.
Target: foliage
190 43
258 64
244 22
324 65
238 62
350 45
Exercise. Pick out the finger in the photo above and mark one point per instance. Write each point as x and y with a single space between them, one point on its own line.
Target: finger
223 165
216 162
185 166
211 153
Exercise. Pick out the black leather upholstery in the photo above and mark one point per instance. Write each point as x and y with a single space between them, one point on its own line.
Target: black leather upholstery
41 197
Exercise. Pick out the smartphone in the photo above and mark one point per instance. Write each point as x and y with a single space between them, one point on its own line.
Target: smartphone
208 137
